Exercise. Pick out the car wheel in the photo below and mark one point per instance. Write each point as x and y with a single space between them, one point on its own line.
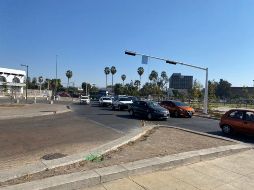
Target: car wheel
149 116
226 129
119 108
176 114
132 113
113 107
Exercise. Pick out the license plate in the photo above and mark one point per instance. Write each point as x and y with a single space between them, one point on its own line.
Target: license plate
165 114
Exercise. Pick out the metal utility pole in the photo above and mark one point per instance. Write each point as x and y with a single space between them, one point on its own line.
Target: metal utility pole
86 88
26 78
56 77
205 110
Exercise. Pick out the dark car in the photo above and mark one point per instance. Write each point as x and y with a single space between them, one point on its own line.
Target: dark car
238 121
148 109
64 94
177 108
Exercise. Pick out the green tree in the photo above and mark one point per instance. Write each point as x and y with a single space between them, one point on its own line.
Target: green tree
119 89
86 87
46 84
164 78
196 91
140 73
212 86
137 83
113 71
223 89
68 75
245 92
123 78
106 72
40 80
57 85
153 76
150 89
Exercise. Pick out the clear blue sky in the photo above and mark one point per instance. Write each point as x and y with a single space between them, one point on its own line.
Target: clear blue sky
90 35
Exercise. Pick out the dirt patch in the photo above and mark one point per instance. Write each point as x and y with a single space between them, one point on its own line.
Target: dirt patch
158 142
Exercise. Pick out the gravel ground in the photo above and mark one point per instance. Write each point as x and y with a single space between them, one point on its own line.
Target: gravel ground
159 142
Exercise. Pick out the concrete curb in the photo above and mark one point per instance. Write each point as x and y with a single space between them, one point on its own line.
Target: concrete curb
101 175
43 165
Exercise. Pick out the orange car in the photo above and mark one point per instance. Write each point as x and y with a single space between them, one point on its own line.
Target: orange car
238 120
177 109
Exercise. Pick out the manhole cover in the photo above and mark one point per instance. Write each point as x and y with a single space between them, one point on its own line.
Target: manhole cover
53 156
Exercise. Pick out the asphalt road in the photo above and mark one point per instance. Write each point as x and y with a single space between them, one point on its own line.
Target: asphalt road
121 120
86 127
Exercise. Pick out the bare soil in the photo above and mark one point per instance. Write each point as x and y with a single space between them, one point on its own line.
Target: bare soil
158 142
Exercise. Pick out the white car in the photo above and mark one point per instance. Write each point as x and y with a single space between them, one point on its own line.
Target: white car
122 103
105 101
84 99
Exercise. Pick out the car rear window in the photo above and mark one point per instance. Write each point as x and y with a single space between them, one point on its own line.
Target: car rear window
249 116
106 99
84 97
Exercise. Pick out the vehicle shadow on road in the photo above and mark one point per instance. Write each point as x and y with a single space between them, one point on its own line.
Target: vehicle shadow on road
129 117
238 137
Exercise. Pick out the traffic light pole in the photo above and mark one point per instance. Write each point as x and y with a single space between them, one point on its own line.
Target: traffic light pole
205 110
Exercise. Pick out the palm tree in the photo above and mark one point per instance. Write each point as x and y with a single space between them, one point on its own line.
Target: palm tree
123 78
164 78
137 83
113 71
153 76
47 82
107 71
40 80
68 75
140 72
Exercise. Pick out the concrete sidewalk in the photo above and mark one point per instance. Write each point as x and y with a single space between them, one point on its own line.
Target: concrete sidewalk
229 173
13 111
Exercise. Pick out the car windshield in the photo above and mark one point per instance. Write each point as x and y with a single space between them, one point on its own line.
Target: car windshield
106 98
124 99
84 97
153 104
180 104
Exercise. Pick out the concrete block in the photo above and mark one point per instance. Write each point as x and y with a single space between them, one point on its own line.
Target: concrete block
63 182
208 154
144 166
9 174
112 173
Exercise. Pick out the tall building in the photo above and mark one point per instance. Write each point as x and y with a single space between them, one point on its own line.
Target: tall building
178 81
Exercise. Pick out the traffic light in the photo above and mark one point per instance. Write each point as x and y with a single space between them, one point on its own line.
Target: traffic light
171 62
130 53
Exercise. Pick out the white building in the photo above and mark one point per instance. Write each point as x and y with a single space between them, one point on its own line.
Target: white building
12 81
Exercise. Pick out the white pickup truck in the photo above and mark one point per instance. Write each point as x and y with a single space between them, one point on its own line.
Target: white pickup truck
122 103
84 99
105 101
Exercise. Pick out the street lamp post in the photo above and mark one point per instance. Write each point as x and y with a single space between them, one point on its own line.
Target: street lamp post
26 78
205 110
56 80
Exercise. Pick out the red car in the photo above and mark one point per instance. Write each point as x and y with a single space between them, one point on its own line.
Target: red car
177 108
238 121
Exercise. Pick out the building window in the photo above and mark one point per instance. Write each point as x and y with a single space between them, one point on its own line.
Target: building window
2 79
15 80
